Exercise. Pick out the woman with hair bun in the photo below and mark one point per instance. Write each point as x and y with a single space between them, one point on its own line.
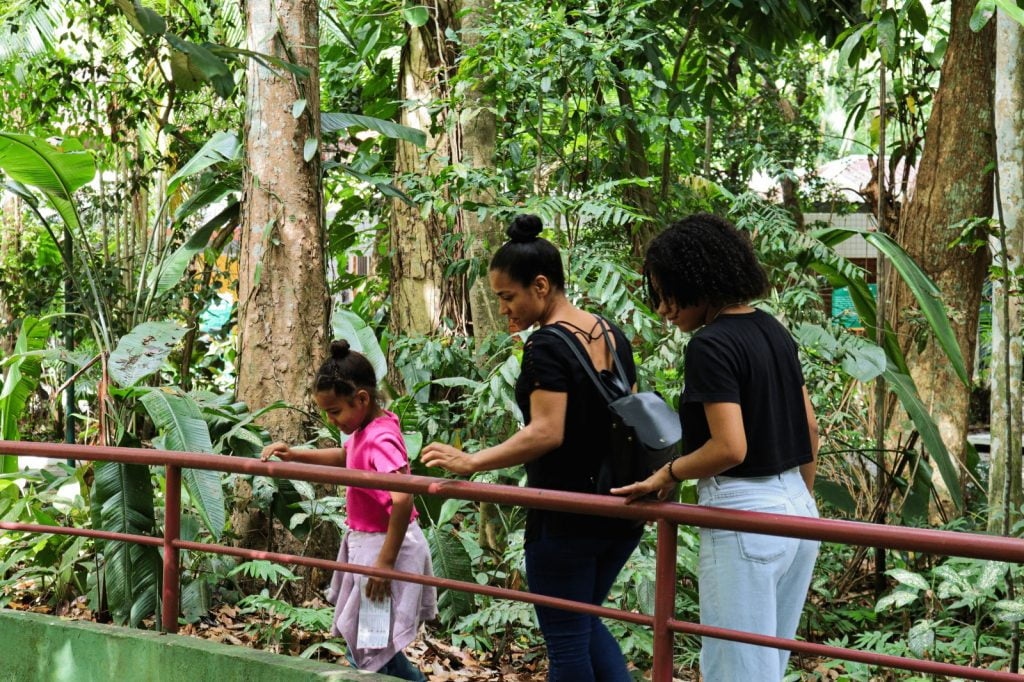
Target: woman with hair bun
383 531
572 556
751 439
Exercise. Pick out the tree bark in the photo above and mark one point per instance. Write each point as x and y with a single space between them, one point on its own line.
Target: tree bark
10 243
636 165
283 300
1005 453
421 295
479 129
954 183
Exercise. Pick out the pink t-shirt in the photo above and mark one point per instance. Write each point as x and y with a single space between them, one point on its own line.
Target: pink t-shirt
378 446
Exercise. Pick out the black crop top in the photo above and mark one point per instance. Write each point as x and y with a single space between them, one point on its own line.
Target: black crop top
549 364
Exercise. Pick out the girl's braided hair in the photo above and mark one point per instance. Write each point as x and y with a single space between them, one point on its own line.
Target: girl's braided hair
346 372
703 259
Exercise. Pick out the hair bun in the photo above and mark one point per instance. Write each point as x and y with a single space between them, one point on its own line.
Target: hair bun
340 349
524 228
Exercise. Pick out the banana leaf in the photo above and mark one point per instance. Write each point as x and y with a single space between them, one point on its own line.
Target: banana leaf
181 426
142 351
20 381
903 386
122 501
56 172
928 296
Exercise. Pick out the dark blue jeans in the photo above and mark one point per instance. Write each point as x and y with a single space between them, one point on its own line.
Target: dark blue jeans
399 666
580 648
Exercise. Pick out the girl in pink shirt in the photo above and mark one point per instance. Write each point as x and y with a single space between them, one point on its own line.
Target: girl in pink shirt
383 531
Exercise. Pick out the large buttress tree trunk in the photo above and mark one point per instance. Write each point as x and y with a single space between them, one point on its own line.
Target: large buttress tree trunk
420 293
283 301
954 183
1007 314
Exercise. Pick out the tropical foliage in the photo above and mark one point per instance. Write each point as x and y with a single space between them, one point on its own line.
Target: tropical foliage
123 164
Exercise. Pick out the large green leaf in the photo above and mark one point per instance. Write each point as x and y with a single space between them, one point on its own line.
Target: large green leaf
903 386
835 494
864 302
208 194
212 67
20 381
450 560
57 172
143 350
180 422
123 496
169 272
386 188
223 146
333 122
267 60
928 296
1012 10
345 324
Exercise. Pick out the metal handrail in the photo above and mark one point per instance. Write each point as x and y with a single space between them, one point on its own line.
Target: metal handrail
667 515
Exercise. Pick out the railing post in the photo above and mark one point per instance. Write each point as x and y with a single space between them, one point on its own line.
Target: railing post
172 529
664 600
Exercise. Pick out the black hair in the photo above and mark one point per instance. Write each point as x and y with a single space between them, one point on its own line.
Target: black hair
526 255
346 372
703 259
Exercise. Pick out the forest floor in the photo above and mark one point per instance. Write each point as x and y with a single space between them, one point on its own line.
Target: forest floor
226 624
440 661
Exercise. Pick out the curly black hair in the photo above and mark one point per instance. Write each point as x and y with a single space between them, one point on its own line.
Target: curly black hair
703 259
346 372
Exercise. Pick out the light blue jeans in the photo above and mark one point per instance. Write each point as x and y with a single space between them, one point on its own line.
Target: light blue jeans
751 582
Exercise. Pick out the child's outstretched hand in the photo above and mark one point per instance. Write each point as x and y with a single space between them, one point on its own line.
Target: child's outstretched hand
279 450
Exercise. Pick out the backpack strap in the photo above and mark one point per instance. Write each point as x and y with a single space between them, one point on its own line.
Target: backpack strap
588 366
619 369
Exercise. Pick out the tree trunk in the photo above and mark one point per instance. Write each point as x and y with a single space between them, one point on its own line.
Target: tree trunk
1006 329
954 183
10 243
479 128
421 294
636 165
283 301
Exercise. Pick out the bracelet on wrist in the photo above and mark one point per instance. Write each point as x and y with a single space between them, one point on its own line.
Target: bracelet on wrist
672 474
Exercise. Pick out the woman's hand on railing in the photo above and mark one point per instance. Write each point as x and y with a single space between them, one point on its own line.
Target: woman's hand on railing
660 481
448 458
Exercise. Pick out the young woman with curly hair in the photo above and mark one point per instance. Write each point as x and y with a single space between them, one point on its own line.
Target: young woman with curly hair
751 438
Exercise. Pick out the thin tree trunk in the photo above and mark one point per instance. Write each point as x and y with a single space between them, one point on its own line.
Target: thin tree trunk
954 183
421 295
10 243
283 300
479 128
1005 453
636 166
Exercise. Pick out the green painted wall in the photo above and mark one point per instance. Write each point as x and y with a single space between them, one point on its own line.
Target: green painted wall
38 648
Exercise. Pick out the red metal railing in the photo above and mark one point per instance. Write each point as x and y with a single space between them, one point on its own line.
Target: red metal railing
667 516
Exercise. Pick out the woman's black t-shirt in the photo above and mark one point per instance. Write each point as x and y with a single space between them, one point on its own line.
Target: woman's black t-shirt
549 364
750 359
